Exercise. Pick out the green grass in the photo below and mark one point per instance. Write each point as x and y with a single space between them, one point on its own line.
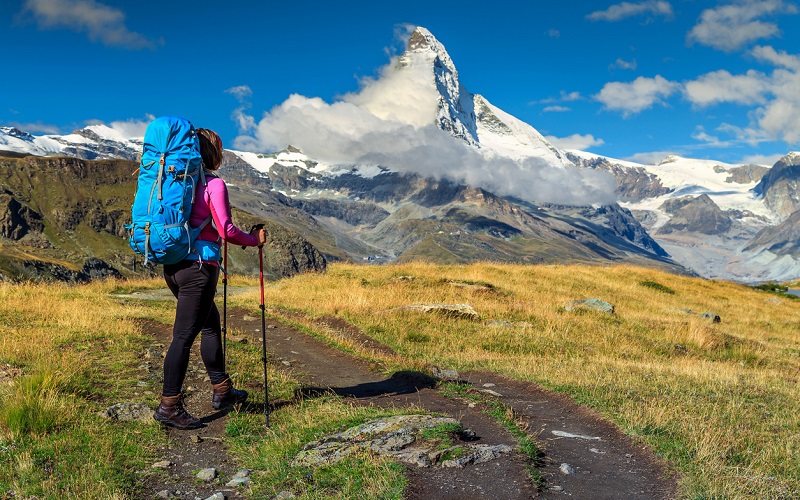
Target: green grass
657 286
269 452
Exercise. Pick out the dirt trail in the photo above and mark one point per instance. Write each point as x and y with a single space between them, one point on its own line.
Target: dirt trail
611 467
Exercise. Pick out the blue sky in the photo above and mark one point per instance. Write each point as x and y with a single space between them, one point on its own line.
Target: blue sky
631 80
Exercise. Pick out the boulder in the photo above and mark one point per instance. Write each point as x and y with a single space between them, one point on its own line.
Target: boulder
592 304
129 412
402 438
455 310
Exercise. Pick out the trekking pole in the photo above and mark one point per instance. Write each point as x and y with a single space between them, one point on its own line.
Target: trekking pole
263 332
225 303
263 325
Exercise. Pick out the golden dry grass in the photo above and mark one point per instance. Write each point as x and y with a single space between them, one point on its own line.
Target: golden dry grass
719 401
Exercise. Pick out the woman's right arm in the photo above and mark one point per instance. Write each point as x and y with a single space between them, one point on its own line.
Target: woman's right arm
221 213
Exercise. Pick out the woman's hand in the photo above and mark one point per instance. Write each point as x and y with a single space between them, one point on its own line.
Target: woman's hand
261 234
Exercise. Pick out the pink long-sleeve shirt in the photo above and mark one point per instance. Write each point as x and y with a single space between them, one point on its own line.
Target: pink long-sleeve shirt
212 199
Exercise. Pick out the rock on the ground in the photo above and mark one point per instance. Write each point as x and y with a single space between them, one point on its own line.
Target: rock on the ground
238 481
712 317
445 374
208 474
490 392
400 438
478 454
284 495
390 436
129 412
165 494
592 304
163 464
566 469
455 310
217 496
242 473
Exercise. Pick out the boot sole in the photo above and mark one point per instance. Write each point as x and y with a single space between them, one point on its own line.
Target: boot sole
170 423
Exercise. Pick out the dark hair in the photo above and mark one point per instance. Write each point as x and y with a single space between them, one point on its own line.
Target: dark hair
210 148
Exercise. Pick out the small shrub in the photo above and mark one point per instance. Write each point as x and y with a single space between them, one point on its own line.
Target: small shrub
657 286
417 337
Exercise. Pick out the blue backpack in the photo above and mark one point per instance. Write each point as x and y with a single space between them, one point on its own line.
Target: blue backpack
168 175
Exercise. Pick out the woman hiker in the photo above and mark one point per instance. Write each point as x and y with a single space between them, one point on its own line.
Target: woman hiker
194 283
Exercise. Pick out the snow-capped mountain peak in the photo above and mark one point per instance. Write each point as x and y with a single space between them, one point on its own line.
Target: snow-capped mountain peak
471 117
423 41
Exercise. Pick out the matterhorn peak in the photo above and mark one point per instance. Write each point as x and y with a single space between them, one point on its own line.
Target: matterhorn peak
422 40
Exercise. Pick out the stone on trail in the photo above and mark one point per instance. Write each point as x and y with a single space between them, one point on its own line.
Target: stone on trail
490 392
566 469
576 436
240 478
445 374
480 453
163 464
207 474
242 473
284 495
129 412
591 304
217 496
165 494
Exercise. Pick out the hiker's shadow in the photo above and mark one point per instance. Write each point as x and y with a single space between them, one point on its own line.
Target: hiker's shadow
402 382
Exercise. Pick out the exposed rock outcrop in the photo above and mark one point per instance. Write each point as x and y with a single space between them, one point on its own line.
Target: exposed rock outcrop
780 188
696 214
633 183
16 219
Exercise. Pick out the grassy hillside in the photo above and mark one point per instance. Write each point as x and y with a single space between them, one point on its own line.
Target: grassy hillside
719 401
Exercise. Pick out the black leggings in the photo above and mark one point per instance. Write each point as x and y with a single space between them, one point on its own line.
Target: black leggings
194 286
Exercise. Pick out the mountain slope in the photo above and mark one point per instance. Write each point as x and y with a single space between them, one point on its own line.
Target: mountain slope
63 218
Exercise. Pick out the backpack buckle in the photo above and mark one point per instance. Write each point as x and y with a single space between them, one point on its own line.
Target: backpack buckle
147 228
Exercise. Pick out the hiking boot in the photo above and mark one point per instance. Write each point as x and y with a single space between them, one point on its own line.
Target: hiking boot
171 412
226 395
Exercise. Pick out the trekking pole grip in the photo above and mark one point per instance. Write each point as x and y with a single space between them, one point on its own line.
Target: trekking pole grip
253 228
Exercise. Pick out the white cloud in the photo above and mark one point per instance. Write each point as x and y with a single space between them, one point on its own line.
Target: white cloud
98 21
768 160
403 95
132 127
553 33
651 158
556 109
240 92
623 64
636 96
778 58
576 141
628 9
777 97
391 122
564 97
721 86
730 27
38 127
245 122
